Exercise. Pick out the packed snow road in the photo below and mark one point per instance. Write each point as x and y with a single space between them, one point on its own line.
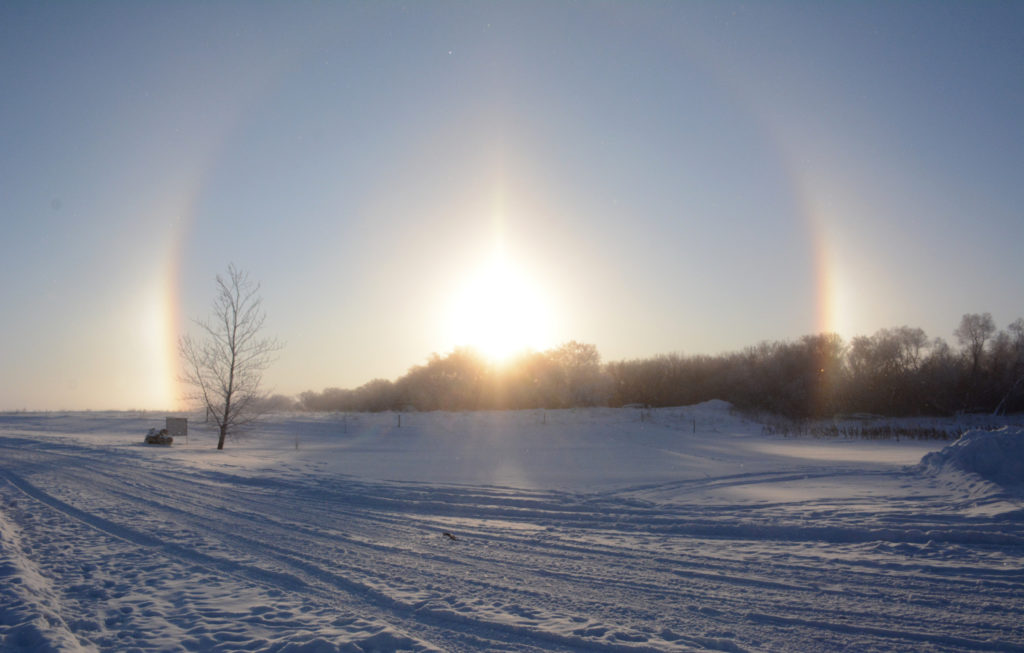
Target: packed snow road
567 531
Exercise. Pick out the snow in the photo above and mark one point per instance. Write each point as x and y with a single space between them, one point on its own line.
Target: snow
601 529
995 456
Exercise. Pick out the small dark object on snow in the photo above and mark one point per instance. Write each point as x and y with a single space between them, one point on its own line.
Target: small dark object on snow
450 536
158 437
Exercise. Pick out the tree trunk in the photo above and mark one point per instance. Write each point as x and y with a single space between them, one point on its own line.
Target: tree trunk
223 433
1001 408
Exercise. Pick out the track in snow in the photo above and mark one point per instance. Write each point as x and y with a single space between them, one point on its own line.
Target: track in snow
114 549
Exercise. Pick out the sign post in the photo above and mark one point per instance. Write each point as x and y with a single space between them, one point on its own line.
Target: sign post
177 426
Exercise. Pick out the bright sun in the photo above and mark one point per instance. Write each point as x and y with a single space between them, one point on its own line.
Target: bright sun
499 312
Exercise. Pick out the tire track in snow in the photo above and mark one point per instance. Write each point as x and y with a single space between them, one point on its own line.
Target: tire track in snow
753 582
616 561
918 637
29 615
298 581
282 581
720 576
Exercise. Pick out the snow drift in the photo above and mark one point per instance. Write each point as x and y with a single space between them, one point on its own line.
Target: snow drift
995 456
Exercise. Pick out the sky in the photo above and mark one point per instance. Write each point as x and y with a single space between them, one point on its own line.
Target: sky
404 178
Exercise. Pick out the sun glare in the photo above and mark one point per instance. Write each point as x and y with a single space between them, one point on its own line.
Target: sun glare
499 312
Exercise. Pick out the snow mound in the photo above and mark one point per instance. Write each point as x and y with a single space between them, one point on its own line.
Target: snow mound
996 456
714 406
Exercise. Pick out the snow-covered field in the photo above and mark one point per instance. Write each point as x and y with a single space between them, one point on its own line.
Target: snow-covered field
580 530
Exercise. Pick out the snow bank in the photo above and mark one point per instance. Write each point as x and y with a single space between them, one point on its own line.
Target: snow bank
996 456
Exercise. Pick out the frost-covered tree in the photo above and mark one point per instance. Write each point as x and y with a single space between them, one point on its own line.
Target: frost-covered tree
224 365
974 331
584 382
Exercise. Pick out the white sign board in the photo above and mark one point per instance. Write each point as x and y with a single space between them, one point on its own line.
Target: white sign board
177 426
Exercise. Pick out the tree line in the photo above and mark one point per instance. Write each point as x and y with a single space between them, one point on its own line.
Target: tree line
895 372
567 376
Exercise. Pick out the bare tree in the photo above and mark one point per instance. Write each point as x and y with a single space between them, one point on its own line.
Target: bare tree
225 364
584 383
974 331
1013 352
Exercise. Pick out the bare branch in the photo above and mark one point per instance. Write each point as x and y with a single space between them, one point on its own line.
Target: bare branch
225 367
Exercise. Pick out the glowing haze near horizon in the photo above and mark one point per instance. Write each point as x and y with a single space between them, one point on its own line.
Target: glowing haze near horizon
405 178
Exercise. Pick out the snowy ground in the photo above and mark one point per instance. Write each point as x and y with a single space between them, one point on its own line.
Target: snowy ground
574 531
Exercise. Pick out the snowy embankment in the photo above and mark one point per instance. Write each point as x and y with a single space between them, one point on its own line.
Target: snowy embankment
986 457
571 531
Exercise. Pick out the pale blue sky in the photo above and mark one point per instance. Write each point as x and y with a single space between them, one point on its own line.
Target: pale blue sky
660 176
